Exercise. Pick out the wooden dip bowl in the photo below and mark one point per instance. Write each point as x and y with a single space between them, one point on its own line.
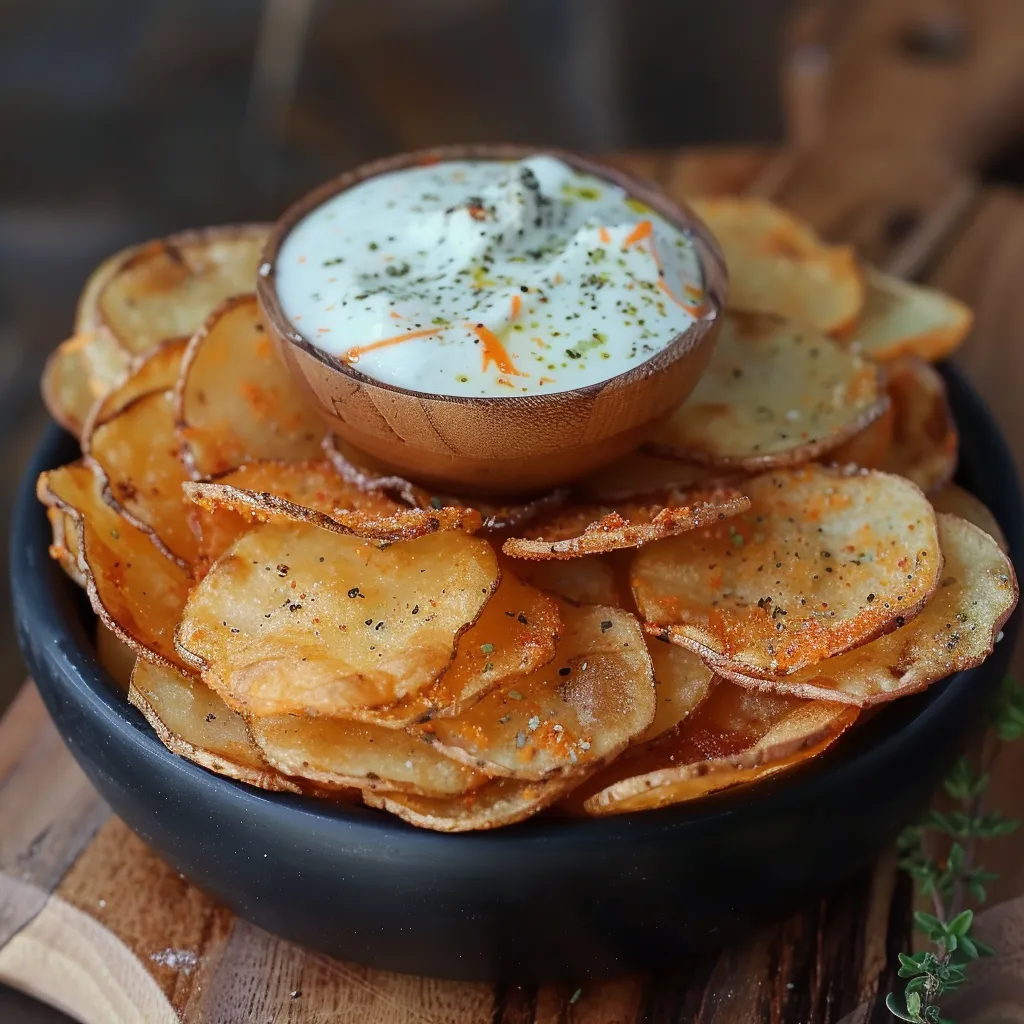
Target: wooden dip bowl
503 445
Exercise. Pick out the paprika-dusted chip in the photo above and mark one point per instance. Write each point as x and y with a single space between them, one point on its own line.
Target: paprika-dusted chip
955 630
824 560
574 532
775 393
681 683
133 587
236 399
588 580
310 485
778 265
145 480
904 319
296 619
925 443
365 472
958 502
79 372
385 526
168 287
734 737
193 722
338 753
580 709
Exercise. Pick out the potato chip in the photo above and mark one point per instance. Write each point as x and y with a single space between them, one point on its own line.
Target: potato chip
193 722
734 737
115 656
296 619
778 264
869 448
681 682
825 560
958 502
334 752
167 288
588 580
77 373
237 401
363 471
639 474
589 530
775 393
384 527
155 370
64 543
312 485
137 591
145 480
955 630
498 803
925 442
904 319
579 710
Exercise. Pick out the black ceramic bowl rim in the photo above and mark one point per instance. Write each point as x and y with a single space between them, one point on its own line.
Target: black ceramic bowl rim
52 632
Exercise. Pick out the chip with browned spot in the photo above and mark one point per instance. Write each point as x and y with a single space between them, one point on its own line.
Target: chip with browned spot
779 265
294 619
734 737
824 560
574 531
236 399
580 709
775 393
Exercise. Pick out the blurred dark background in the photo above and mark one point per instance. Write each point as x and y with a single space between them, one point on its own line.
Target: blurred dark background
126 119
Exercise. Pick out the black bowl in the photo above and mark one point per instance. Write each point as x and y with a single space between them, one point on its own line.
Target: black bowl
550 898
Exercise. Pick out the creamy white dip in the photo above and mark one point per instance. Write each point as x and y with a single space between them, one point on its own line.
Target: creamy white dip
489 278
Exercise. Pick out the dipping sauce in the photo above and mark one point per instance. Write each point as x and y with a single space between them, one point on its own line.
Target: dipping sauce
489 278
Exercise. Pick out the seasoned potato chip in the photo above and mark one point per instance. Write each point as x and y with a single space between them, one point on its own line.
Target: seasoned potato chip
639 474
155 370
386 527
903 319
311 485
78 372
193 722
64 545
334 752
363 471
735 736
145 480
681 682
958 502
869 448
589 530
167 288
587 580
296 619
925 442
237 401
824 560
775 393
580 709
778 265
115 656
500 802
137 591
955 630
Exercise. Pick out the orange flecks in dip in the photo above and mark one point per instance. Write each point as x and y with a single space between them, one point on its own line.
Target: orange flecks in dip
495 353
638 234
353 354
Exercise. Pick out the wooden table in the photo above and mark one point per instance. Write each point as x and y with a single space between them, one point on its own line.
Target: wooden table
93 922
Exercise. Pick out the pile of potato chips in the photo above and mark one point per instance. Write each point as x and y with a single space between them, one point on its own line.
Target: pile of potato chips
787 550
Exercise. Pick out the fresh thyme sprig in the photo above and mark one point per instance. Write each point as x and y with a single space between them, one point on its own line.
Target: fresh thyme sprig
950 880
